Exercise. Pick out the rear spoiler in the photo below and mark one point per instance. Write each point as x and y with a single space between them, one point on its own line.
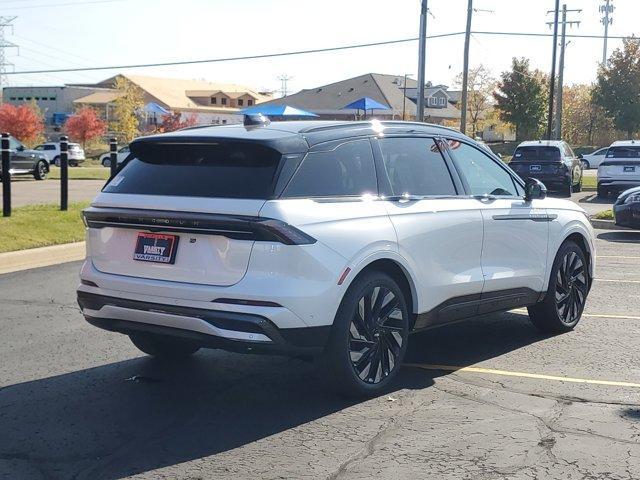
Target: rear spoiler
620 161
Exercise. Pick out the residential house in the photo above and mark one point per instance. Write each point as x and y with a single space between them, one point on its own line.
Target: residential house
209 102
327 100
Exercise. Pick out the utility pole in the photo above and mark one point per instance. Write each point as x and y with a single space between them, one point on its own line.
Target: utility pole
552 79
5 22
563 44
422 44
283 82
606 9
465 69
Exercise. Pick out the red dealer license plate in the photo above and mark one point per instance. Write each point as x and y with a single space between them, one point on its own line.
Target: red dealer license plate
156 247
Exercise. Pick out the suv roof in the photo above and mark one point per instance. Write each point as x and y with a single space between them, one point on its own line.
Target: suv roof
621 143
544 143
295 136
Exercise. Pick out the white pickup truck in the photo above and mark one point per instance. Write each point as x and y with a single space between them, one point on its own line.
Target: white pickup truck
620 169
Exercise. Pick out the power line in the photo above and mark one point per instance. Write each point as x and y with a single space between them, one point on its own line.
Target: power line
231 59
5 22
297 52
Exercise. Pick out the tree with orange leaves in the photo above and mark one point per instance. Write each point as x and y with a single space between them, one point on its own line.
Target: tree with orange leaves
23 122
85 125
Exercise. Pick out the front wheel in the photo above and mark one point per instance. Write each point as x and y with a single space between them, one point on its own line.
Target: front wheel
369 336
40 171
106 162
562 307
163 347
585 164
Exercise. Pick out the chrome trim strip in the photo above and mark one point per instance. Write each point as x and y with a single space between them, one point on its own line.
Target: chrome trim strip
536 217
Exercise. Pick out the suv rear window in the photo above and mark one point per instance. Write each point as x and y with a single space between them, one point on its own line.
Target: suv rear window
624 152
536 154
218 170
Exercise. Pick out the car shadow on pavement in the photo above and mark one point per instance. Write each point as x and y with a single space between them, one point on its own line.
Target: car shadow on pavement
620 236
139 415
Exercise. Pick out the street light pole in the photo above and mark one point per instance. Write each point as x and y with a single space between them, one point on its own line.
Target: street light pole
552 79
421 61
465 69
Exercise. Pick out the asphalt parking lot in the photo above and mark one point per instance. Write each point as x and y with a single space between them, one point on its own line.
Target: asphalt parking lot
30 192
490 398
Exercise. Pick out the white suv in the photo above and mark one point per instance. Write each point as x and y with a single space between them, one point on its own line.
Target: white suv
620 169
51 151
327 239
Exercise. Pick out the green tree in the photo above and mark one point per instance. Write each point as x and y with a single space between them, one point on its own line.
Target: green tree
583 121
618 87
127 107
521 98
480 86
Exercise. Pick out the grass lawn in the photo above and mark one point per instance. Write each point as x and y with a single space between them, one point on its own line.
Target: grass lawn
41 225
81 173
589 183
606 215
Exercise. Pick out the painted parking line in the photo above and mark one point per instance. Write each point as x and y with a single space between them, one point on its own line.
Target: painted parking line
588 315
508 373
615 280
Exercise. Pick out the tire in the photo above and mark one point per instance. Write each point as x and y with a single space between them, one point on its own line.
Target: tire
578 187
106 162
56 161
40 171
602 192
567 191
162 346
366 338
562 307
73 164
585 165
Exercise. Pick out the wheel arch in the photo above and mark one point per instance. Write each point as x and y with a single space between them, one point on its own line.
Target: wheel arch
396 270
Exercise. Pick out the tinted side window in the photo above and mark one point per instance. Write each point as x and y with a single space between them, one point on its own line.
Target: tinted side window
415 166
347 170
482 173
14 144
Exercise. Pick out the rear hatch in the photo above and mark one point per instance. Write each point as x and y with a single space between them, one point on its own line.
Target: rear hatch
621 163
183 212
536 160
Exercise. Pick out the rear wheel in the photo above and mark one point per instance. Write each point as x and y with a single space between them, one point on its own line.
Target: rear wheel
106 162
562 307
602 192
162 346
40 171
369 336
585 164
56 161
567 190
578 188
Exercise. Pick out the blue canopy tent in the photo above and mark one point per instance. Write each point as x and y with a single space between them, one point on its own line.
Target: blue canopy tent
153 107
365 103
277 111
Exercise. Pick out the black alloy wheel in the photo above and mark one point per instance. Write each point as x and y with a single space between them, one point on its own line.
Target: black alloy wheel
562 306
571 288
376 335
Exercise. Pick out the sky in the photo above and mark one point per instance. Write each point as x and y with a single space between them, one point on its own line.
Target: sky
77 33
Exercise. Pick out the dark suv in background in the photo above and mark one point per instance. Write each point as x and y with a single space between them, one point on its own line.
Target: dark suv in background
26 162
550 161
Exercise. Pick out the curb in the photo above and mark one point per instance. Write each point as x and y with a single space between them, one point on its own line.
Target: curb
607 225
41 257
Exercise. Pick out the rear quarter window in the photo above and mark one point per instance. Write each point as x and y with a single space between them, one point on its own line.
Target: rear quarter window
624 152
214 170
346 170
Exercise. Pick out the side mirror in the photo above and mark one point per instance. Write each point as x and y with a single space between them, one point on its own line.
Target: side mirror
580 156
20 148
534 189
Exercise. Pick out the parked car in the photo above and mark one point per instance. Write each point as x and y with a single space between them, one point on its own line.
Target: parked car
550 161
594 159
325 239
123 153
51 151
26 162
620 169
626 209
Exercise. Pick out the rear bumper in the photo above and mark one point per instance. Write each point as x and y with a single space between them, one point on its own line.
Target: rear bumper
620 185
234 331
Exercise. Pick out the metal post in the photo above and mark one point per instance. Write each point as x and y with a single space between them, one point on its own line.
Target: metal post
552 79
113 158
465 69
558 132
6 176
64 172
422 44
404 97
